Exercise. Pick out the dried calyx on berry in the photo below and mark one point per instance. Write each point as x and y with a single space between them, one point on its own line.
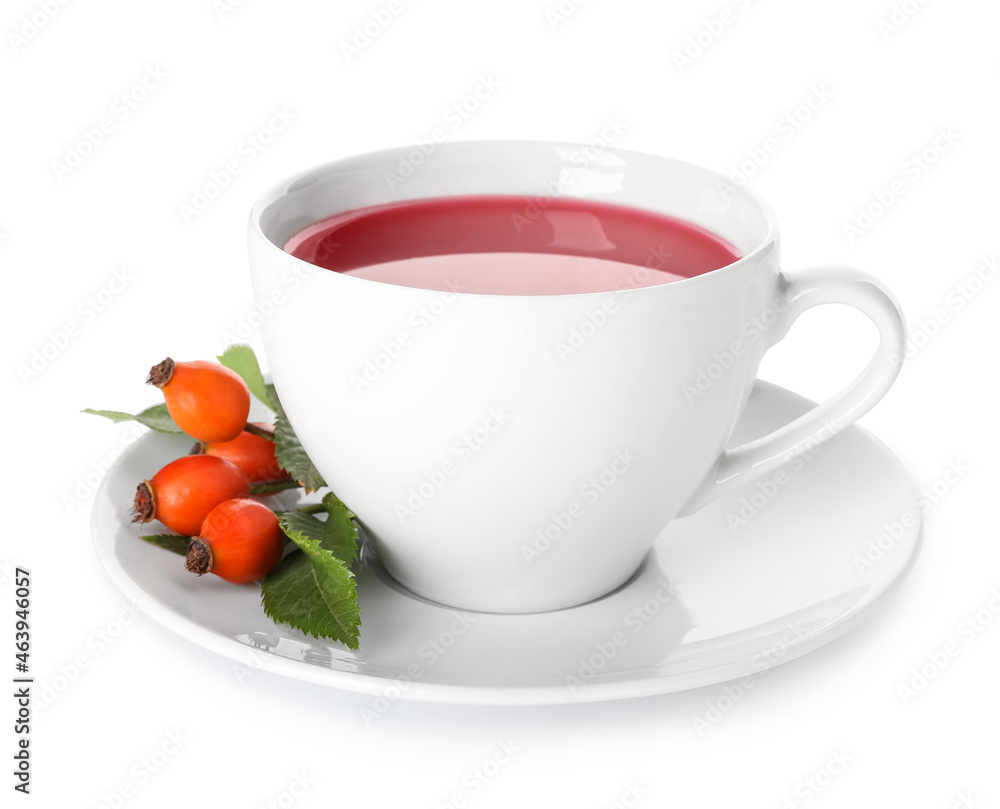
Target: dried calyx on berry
161 373
144 504
199 557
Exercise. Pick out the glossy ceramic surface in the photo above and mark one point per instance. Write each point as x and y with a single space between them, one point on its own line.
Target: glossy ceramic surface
516 453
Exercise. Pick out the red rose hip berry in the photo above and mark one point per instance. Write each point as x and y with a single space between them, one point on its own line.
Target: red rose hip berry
207 400
251 453
240 541
184 491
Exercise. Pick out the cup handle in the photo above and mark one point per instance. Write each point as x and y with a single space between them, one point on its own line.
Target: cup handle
797 293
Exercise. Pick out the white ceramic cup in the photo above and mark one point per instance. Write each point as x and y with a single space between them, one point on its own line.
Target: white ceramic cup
494 469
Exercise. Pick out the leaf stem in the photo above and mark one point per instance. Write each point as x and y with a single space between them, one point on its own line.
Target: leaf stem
312 508
268 486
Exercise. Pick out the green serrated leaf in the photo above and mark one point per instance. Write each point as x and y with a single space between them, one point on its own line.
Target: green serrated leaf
170 542
313 591
290 596
340 534
155 417
240 358
158 418
289 451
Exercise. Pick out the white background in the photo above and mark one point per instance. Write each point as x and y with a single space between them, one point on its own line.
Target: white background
226 69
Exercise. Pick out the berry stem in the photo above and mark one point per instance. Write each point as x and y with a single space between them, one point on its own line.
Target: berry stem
263 432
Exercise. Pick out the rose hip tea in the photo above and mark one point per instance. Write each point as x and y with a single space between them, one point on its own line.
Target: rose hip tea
508 245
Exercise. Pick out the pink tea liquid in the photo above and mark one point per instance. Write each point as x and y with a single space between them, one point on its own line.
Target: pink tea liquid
504 245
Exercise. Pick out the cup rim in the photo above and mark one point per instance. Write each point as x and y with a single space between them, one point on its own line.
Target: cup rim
278 189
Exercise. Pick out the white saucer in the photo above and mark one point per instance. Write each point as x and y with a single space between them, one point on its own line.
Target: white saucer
714 601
